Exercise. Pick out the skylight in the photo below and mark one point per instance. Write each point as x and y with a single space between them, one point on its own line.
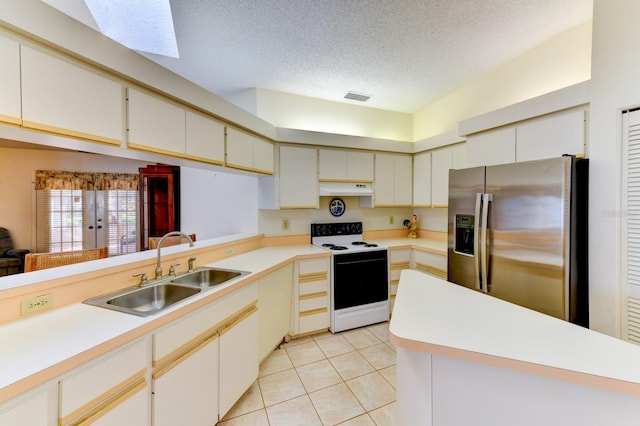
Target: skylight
145 25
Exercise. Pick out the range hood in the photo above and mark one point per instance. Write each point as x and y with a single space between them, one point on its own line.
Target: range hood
345 189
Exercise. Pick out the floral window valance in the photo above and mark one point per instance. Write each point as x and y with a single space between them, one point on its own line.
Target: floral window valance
86 181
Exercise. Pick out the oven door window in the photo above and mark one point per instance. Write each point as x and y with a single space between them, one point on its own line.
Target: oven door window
359 279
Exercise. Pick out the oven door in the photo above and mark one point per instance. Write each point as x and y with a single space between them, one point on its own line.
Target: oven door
360 278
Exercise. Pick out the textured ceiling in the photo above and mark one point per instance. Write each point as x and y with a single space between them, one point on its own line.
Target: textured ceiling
403 53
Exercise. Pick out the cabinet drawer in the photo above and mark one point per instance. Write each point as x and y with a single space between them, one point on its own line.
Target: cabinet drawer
314 320
311 287
433 260
309 267
200 324
314 301
113 373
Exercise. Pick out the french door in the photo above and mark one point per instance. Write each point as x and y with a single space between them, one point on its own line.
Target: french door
75 219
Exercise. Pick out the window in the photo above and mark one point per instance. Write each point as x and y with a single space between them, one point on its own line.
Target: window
85 210
73 220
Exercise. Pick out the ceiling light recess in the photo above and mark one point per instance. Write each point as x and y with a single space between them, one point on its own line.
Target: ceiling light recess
357 96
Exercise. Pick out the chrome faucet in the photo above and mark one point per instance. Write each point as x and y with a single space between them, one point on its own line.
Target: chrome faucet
170 234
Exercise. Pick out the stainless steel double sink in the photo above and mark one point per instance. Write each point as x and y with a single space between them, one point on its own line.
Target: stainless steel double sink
156 296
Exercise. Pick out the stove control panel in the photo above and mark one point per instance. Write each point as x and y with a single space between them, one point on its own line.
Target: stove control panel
331 229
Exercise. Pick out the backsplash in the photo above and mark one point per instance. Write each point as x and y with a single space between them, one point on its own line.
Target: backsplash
272 222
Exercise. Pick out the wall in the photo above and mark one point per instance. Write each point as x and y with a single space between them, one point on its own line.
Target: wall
270 221
212 203
300 112
216 204
614 86
561 62
17 168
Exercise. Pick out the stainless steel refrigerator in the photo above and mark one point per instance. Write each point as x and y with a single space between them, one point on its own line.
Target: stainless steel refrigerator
519 232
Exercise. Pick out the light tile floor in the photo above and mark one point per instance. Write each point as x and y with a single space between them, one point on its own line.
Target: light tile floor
347 378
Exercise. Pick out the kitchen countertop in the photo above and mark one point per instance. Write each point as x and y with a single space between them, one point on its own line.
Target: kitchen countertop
41 342
52 339
434 316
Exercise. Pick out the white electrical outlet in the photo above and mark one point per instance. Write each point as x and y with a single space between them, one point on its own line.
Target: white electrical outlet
35 304
228 251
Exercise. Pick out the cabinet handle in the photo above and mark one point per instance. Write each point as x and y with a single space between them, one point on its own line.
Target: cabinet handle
238 319
168 366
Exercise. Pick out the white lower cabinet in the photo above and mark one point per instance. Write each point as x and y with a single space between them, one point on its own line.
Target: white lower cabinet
274 309
238 358
311 291
31 409
112 387
185 391
399 260
431 263
204 361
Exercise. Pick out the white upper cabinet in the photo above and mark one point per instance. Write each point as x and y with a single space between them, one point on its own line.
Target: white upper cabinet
422 179
442 160
10 82
155 124
247 152
345 166
204 139
298 177
551 137
535 139
393 180
61 97
491 147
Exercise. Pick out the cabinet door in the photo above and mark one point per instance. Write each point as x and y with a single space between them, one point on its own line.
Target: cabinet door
274 302
28 410
238 360
431 263
384 180
186 391
441 162
422 180
64 98
551 137
360 166
92 387
239 149
155 125
491 147
10 82
459 156
402 180
332 165
298 176
204 139
263 156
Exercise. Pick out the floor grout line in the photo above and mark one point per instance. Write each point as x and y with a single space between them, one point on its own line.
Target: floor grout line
342 380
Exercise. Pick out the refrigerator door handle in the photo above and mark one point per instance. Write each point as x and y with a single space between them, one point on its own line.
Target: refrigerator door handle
484 266
476 241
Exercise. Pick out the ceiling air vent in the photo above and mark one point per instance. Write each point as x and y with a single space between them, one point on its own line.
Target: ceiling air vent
357 97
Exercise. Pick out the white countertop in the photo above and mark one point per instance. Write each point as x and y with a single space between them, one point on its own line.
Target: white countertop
434 316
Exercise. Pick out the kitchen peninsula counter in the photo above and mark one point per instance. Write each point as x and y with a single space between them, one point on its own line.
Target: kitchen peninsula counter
464 357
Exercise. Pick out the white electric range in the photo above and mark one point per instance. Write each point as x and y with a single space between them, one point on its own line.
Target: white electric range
359 275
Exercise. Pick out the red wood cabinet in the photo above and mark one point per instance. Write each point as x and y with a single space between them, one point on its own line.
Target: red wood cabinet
159 201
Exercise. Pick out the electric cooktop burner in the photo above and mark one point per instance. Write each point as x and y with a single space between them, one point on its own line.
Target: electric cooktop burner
342 237
363 243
